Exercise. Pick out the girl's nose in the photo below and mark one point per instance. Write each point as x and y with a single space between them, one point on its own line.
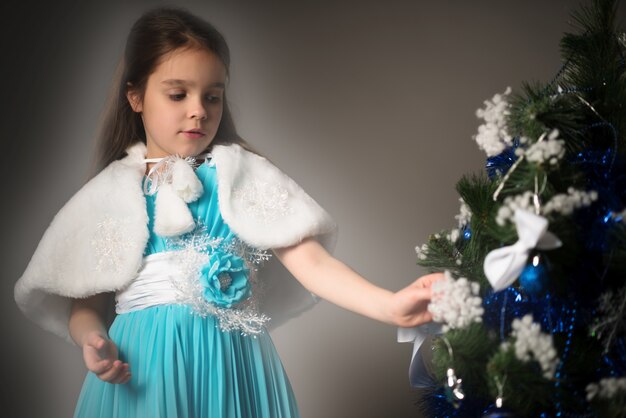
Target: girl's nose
197 110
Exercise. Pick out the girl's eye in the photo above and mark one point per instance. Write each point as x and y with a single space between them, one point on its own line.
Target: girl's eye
177 97
211 98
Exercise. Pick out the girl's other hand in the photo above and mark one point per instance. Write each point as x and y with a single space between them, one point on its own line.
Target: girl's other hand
409 306
100 355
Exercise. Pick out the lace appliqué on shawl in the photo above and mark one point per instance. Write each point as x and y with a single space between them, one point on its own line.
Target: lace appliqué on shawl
110 244
264 201
195 249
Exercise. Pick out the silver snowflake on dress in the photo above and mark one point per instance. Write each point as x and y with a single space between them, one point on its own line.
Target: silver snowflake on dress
110 244
198 239
264 201
251 255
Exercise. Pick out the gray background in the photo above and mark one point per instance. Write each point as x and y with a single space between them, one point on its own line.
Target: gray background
368 105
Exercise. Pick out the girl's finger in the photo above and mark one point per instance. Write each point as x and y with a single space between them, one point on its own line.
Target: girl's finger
124 375
429 279
101 366
113 376
426 281
122 378
113 372
417 297
94 359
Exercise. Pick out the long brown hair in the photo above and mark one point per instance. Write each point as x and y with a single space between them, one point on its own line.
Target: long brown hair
156 33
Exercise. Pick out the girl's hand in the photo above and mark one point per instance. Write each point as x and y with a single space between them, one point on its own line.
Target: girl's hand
100 355
409 305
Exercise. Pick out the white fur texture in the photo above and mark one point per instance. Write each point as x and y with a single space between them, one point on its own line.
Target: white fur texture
63 265
172 216
238 169
185 182
95 243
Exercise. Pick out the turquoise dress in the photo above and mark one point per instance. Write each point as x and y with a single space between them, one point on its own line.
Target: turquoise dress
184 365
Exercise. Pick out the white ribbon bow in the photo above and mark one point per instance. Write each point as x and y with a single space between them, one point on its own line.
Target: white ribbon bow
418 374
504 265
178 185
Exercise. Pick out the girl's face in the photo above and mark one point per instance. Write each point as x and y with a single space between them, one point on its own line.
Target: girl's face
182 104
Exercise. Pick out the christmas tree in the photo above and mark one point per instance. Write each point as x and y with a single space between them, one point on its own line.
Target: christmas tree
533 307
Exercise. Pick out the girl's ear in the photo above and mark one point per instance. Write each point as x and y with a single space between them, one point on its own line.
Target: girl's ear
134 99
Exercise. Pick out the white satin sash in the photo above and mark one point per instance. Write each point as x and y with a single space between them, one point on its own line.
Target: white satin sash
152 286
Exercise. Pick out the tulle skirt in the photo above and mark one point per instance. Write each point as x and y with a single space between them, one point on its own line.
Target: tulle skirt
184 366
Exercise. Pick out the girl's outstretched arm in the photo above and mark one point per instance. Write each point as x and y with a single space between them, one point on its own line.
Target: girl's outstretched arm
322 274
88 331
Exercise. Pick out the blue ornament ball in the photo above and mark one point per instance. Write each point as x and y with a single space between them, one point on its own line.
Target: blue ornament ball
534 277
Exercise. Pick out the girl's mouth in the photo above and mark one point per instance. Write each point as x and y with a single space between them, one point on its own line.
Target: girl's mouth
194 133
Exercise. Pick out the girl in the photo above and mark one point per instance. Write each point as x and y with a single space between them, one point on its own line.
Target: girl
174 227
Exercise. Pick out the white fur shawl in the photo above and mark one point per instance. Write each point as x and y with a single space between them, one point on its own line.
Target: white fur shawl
95 243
